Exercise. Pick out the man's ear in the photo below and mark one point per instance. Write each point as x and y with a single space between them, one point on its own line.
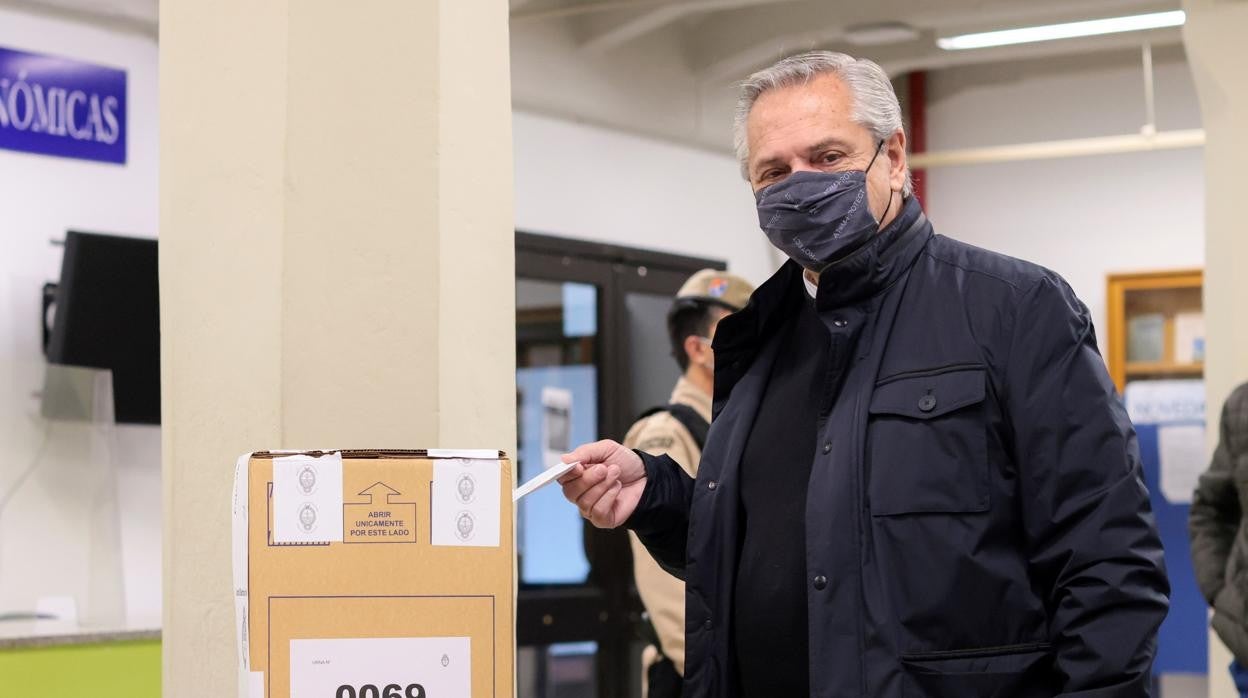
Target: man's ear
693 347
897 160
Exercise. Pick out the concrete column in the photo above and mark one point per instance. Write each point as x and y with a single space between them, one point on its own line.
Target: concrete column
1213 37
336 258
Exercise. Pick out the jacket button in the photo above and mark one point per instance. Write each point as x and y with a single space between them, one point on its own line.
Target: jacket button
707 625
827 448
840 321
927 403
712 485
821 582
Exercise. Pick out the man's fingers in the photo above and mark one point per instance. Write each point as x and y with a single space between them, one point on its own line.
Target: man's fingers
600 514
592 454
574 473
591 495
590 477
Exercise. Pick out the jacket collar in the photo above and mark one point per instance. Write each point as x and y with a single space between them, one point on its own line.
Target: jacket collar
860 276
878 264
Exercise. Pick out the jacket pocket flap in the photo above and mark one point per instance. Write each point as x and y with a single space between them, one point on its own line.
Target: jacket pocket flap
930 393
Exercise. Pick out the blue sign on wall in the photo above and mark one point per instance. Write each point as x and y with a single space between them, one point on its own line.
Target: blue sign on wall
58 106
1156 406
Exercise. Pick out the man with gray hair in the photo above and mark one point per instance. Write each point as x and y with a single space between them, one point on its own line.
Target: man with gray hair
920 480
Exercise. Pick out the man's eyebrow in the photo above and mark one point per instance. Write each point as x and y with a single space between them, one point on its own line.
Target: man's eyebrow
826 143
764 164
833 142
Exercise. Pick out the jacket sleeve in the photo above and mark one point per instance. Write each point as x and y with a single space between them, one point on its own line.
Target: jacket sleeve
1215 514
662 594
661 519
1090 535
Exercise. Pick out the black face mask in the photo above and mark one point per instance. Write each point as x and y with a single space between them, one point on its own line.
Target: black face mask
817 218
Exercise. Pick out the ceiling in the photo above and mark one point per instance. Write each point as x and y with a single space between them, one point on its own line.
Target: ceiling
726 39
631 64
666 68
135 15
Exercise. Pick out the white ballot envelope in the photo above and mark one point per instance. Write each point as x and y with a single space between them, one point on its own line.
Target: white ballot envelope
548 476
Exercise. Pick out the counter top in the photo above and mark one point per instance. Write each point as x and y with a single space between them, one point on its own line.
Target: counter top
25 636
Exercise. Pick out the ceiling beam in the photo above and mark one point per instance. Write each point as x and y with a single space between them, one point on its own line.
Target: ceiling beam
558 9
1070 148
604 31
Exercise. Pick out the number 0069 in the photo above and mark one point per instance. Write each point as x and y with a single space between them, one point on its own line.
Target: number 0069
368 690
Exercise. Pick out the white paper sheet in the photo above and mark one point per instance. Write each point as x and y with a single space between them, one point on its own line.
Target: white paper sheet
470 453
1189 337
467 502
1181 448
1161 401
307 499
556 423
255 684
439 666
541 480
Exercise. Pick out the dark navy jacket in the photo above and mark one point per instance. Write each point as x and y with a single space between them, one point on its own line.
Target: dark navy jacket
976 521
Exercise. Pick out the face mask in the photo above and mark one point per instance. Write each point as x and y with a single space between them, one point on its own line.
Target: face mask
818 217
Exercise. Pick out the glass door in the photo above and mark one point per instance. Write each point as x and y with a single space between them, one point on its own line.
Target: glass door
591 353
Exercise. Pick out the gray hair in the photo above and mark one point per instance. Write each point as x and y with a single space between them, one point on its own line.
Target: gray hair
874 101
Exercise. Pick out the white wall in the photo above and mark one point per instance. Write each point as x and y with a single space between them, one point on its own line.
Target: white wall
41 197
596 184
1082 217
644 87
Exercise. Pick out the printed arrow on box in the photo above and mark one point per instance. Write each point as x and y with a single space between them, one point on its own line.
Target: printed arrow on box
407 510
390 492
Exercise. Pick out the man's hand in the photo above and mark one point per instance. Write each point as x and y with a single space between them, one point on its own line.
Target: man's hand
607 484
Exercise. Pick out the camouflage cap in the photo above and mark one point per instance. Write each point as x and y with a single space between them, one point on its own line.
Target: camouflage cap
717 288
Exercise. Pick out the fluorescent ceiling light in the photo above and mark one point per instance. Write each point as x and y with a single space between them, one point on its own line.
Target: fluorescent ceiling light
1069 30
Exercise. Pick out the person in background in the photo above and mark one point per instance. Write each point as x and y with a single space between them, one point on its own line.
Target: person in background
1219 535
679 430
919 481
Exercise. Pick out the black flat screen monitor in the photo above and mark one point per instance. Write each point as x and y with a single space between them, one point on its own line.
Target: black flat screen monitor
108 316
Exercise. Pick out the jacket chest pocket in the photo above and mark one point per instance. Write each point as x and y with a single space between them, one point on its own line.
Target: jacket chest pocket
927 444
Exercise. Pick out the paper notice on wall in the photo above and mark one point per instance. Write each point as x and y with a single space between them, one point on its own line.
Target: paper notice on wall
1163 401
1189 337
1146 337
407 667
307 499
255 684
467 502
1181 448
556 423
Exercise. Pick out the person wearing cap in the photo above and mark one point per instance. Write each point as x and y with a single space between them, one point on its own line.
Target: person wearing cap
678 430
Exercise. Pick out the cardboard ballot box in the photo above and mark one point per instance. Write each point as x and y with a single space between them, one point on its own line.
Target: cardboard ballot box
374 574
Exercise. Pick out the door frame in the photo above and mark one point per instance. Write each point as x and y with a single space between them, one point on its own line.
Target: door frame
606 609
